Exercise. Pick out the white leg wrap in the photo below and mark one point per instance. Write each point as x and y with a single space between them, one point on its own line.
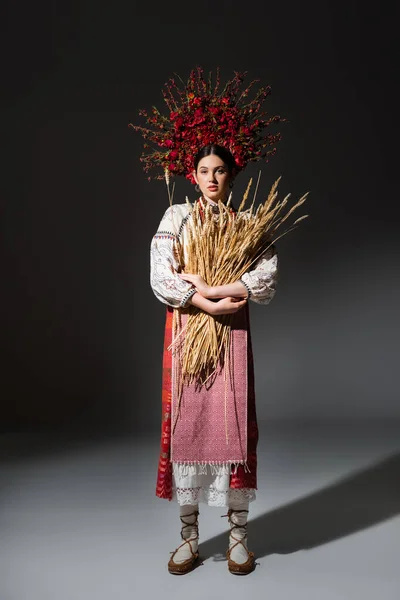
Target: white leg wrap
239 553
188 532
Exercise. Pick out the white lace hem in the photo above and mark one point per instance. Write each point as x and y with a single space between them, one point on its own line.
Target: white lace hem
212 496
183 470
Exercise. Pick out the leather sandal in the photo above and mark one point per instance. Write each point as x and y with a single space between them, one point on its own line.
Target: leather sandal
234 567
184 567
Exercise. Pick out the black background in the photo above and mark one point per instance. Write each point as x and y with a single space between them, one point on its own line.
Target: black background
82 330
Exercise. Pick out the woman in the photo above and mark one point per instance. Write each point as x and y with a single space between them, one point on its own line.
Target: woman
196 464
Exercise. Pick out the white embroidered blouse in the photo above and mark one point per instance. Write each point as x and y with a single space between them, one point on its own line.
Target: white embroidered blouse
170 289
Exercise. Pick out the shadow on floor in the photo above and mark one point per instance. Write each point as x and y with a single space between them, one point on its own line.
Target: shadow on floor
352 504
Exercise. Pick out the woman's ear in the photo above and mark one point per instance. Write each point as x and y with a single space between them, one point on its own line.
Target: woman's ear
195 177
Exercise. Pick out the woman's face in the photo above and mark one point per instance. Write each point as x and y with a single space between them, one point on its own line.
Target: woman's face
213 178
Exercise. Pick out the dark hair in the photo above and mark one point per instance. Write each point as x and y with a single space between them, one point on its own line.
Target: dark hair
220 151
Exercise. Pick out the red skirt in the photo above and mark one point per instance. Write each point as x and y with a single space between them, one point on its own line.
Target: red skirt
242 478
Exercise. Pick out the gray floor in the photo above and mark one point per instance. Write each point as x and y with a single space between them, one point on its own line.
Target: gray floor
80 520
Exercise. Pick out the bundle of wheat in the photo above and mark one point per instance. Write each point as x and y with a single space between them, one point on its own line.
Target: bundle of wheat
221 248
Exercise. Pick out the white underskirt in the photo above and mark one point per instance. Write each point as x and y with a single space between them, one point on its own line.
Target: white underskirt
192 484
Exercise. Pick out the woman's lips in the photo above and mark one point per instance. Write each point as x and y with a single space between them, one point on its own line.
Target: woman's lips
212 187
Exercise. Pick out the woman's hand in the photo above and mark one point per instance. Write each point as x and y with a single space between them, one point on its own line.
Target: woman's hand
227 306
201 286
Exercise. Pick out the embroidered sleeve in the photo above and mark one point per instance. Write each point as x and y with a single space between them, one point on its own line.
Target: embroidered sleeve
261 280
167 286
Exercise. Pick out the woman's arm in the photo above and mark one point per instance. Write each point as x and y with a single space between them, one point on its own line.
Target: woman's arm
257 284
261 280
225 306
233 290
166 284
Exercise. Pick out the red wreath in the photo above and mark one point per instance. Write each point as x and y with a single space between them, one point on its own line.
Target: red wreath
201 115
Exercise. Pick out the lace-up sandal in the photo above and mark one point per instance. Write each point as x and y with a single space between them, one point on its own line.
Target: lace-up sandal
182 567
238 525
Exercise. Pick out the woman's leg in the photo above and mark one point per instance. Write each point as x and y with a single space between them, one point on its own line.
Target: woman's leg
185 555
240 560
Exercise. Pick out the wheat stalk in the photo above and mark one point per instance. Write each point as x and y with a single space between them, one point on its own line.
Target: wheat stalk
221 248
